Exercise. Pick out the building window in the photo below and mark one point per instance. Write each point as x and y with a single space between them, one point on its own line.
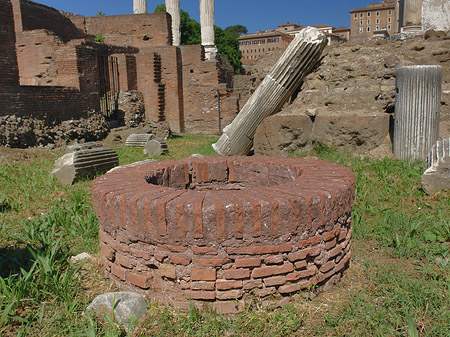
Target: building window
368 14
377 28
368 22
390 12
368 29
361 22
389 27
361 15
378 13
378 21
360 29
355 16
389 20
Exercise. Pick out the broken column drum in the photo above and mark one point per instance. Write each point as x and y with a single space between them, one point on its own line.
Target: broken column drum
221 230
274 91
139 6
437 175
417 110
173 8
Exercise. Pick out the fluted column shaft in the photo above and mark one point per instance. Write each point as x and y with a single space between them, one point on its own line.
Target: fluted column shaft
173 8
139 6
276 88
207 22
417 110
412 15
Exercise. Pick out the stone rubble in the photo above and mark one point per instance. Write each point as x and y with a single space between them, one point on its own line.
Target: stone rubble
437 175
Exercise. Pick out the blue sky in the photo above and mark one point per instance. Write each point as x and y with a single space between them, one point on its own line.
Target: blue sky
254 14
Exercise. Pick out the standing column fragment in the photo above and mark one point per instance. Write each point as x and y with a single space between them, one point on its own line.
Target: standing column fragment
207 28
417 110
173 8
139 6
274 91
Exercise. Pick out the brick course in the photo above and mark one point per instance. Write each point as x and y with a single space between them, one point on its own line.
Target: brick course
212 261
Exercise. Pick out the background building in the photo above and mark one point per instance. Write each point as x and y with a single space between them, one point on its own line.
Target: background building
375 17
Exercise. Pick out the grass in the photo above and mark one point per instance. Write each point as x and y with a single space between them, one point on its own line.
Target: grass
398 283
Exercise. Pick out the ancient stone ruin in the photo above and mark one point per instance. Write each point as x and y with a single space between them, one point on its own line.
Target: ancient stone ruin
437 175
223 230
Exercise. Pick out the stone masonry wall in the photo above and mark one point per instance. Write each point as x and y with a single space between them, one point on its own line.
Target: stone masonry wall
224 230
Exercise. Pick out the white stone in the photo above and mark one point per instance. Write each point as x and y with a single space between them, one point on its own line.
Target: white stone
139 6
127 306
80 257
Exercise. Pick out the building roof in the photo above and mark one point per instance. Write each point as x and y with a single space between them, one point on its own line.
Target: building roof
341 29
381 5
289 24
322 26
267 33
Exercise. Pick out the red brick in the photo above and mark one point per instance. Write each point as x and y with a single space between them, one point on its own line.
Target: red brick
309 242
198 215
330 244
287 267
274 281
335 251
247 262
179 260
201 295
119 271
327 236
275 259
173 248
139 280
304 253
260 250
160 257
327 267
140 254
202 285
204 250
228 307
167 270
300 264
252 284
342 234
230 294
297 275
227 285
203 274
123 261
107 252
291 288
264 292
214 262
237 274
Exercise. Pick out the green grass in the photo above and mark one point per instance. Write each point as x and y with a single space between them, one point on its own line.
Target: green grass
398 283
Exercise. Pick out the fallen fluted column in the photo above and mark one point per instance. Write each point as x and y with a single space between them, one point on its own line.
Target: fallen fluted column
173 8
417 110
139 6
276 88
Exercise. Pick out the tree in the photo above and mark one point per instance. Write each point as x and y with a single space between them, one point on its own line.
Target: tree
226 42
236 30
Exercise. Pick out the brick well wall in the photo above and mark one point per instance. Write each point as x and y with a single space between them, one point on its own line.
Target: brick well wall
283 226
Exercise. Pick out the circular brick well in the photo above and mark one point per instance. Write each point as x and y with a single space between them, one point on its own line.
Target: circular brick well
223 230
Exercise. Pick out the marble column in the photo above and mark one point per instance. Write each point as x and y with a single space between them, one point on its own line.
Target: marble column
412 15
139 6
173 8
276 88
417 110
207 28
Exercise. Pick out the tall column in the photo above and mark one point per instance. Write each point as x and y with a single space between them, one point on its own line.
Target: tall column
412 15
207 28
139 6
173 8
276 88
417 109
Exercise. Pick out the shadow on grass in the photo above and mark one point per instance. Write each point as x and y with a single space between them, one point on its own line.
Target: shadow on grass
13 259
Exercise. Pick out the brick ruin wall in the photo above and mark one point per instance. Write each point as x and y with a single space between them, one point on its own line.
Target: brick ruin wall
283 225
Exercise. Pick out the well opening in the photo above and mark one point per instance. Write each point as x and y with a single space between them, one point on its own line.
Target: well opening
223 230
